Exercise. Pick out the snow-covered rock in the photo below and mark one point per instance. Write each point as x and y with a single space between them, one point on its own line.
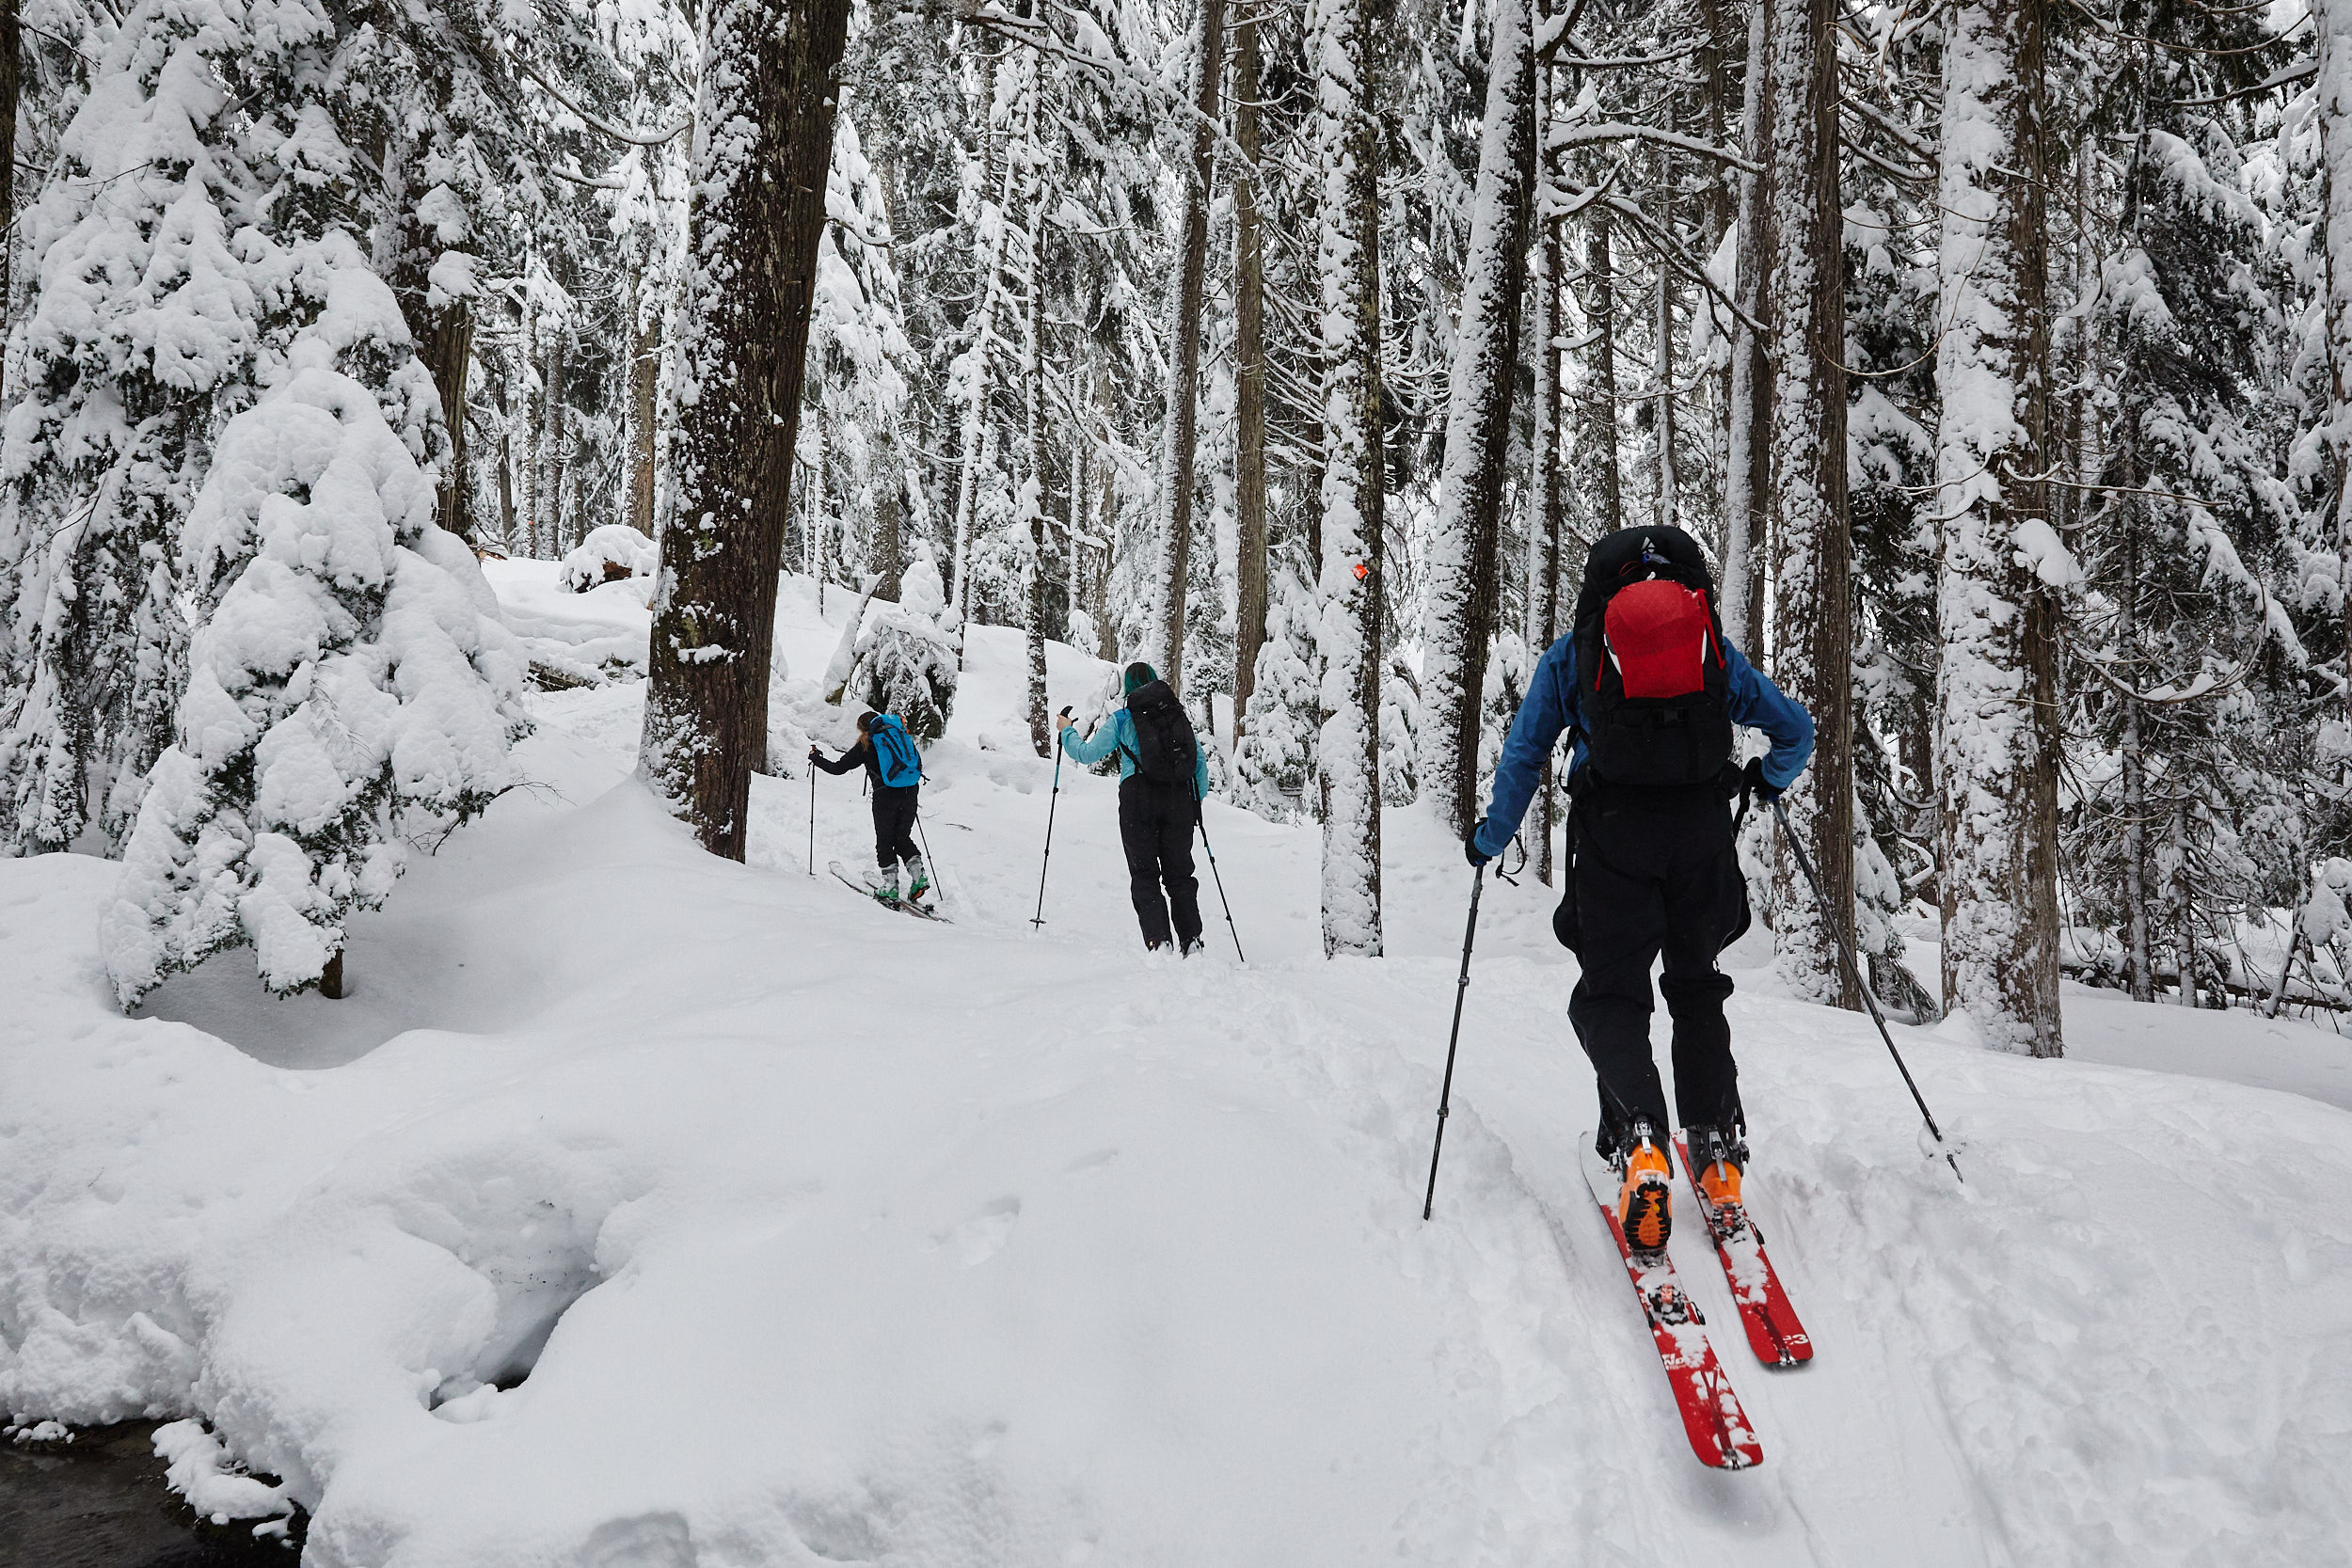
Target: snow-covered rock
610 553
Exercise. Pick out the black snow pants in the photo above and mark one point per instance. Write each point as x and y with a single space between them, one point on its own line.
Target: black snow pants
1155 823
894 824
1652 876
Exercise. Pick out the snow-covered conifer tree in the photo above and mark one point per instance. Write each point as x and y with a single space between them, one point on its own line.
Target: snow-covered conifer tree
351 678
905 660
1275 763
144 339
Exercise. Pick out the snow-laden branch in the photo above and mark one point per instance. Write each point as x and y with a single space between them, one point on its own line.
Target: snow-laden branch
614 133
1621 130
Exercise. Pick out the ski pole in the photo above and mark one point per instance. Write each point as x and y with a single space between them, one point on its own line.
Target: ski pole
1200 820
812 819
1461 991
1048 862
1845 951
939 873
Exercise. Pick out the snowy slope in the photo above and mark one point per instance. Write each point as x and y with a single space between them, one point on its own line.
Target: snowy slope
868 1241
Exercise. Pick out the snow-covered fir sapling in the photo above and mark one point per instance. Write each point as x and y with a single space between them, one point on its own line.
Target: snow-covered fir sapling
1400 723
351 681
906 657
1274 764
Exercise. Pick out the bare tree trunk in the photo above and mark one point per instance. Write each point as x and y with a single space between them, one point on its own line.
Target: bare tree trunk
975 447
552 435
1662 415
11 44
645 382
769 71
1601 401
2332 20
1747 471
446 349
1813 658
1543 584
1353 497
1183 357
1248 373
1995 757
533 399
1033 493
1464 587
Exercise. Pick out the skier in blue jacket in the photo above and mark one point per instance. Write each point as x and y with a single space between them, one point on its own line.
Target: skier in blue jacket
1647 681
1159 802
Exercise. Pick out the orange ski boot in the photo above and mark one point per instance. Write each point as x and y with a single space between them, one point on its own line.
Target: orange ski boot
1644 1200
1716 1160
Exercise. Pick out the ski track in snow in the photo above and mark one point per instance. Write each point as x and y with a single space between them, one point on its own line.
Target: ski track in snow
827 1235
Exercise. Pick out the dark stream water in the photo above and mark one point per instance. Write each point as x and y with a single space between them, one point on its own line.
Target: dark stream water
99 1502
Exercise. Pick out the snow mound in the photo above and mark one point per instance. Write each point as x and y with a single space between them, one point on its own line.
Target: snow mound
612 553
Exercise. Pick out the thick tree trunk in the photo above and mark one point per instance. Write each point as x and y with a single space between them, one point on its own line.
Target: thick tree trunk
1747 449
1813 658
1250 610
769 75
1464 586
446 349
1995 757
1352 500
1600 399
1184 351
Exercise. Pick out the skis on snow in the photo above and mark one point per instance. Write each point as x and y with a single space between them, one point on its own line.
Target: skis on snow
1712 1417
908 905
1773 1332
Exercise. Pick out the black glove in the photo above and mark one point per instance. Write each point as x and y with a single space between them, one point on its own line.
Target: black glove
1471 850
1752 781
812 753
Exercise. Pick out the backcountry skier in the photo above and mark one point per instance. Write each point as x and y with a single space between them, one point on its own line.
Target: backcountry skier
1649 691
1162 780
896 770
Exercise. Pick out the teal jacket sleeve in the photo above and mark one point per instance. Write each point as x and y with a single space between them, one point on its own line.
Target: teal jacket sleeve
1090 750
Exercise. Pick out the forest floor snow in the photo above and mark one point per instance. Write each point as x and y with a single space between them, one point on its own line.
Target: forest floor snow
643 1209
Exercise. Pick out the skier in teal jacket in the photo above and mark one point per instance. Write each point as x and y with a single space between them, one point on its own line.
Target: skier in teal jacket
1155 816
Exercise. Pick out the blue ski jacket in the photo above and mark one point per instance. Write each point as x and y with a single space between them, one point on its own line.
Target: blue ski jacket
1551 707
1120 731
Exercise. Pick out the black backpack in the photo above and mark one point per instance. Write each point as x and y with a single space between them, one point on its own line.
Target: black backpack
1166 751
1654 681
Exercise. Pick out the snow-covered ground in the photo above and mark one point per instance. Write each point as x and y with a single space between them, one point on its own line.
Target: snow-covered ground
825 1235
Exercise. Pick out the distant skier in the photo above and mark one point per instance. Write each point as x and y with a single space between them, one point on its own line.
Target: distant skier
888 755
1649 691
1162 780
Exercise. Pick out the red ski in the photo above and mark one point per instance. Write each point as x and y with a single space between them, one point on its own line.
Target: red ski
1712 1417
1773 1332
